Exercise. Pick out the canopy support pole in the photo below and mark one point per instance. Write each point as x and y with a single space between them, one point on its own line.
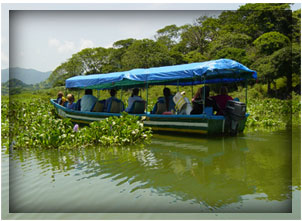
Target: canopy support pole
204 94
177 85
98 94
147 98
246 92
121 93
192 89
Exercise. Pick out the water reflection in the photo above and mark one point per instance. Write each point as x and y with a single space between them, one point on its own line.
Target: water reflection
212 172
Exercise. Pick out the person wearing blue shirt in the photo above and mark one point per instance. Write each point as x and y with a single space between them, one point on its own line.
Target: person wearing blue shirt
71 104
167 100
108 101
88 100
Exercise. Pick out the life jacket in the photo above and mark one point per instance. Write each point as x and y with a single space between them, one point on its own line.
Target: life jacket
179 101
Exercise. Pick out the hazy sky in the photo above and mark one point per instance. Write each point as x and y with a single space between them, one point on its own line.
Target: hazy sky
42 36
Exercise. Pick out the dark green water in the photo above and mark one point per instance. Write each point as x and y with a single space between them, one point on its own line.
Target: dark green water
254 173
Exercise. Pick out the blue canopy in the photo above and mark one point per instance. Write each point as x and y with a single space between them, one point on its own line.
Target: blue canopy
216 71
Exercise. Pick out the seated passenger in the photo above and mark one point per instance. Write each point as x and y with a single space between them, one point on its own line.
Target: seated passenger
198 99
134 97
71 104
164 104
112 104
88 100
112 94
221 100
63 102
59 97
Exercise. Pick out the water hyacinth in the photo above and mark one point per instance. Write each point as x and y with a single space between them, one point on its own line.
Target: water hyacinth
76 128
41 129
273 113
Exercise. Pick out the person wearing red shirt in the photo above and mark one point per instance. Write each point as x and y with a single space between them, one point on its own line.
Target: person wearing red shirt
222 99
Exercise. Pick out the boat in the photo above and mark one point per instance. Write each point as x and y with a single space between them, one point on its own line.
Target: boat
200 73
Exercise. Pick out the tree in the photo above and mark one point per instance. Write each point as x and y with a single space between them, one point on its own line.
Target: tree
270 42
265 70
169 35
70 68
236 54
228 40
194 56
146 53
296 31
262 18
296 67
194 38
210 26
124 43
116 54
112 63
93 59
281 63
177 56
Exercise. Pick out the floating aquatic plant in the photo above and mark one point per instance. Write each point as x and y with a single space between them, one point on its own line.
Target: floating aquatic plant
33 125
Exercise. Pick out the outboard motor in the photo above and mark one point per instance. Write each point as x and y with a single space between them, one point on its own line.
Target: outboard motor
235 112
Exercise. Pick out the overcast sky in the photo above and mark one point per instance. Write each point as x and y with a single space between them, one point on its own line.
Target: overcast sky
42 36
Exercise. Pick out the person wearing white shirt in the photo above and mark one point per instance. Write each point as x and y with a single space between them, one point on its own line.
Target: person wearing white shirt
134 97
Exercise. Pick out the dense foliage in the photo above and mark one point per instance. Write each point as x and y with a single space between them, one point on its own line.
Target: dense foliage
271 113
31 123
259 36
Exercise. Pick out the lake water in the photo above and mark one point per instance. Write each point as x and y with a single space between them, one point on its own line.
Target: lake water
253 175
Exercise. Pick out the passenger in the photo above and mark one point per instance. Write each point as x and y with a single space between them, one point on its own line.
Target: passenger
168 102
221 100
63 102
88 100
134 97
59 97
112 94
170 105
197 100
71 104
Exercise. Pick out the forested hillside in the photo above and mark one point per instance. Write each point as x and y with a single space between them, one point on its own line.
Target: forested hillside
28 76
264 37
15 86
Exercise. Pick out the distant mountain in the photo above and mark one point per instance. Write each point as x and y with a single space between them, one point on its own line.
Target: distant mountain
28 76
14 83
15 86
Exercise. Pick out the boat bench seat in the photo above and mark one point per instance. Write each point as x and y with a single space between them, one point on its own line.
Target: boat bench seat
98 106
138 107
116 106
161 108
